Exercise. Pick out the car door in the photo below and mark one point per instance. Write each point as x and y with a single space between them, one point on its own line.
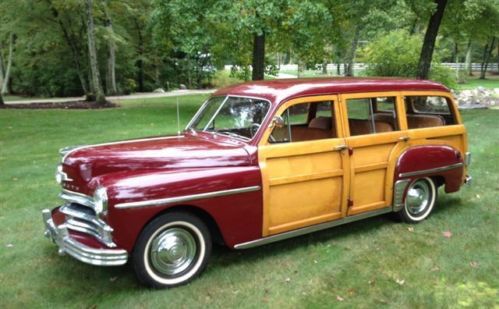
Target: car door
305 166
372 125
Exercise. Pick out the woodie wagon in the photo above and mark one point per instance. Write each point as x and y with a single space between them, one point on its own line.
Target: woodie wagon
259 162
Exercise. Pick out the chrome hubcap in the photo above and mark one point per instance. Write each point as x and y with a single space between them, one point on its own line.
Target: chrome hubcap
418 197
173 251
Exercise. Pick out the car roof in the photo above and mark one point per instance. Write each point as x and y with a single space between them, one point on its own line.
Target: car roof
278 90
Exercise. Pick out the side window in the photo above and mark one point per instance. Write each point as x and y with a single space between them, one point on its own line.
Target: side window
305 122
428 111
371 115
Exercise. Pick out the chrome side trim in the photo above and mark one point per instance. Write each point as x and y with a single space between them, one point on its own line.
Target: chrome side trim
398 194
431 170
467 158
78 198
186 198
100 257
310 229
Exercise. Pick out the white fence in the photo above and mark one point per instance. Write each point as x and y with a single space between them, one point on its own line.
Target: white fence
332 67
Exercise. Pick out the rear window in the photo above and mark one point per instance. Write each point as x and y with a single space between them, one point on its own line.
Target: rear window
428 111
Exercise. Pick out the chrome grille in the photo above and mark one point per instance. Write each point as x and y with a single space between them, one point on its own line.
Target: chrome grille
82 219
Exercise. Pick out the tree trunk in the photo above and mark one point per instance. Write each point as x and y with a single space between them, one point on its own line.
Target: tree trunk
324 68
92 54
467 60
429 40
349 61
73 42
487 53
140 62
258 64
111 60
2 103
6 77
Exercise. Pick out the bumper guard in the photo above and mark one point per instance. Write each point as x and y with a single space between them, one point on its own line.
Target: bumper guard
99 257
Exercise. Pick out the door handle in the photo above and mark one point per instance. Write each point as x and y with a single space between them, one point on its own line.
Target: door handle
340 147
404 138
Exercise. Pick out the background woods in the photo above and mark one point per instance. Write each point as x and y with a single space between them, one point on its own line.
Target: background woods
107 47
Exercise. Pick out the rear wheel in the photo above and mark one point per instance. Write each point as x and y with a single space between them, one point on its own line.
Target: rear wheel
172 250
419 201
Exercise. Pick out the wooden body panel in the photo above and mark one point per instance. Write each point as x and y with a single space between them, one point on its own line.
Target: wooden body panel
303 183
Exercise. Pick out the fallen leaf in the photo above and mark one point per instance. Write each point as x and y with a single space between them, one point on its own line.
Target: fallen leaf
288 279
112 279
10 245
474 264
339 298
447 234
400 281
410 229
315 262
478 196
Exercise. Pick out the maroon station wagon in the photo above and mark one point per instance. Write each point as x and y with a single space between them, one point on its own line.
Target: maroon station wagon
259 162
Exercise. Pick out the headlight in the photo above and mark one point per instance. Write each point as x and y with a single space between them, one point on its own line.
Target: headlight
100 201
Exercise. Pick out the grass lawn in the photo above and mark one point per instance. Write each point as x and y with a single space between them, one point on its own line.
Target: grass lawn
376 262
491 82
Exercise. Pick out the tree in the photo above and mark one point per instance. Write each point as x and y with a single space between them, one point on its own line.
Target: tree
73 33
111 60
92 54
5 72
430 37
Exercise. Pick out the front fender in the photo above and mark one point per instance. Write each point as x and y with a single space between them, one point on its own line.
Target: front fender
136 197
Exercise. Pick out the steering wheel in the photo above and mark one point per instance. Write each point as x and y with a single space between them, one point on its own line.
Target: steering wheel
254 128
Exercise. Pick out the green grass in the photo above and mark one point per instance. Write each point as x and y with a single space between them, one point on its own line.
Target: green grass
356 265
491 82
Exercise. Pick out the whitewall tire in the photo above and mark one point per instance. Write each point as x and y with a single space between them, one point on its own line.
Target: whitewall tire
172 250
419 201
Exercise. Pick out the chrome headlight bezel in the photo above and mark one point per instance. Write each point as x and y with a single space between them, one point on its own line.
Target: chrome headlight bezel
100 201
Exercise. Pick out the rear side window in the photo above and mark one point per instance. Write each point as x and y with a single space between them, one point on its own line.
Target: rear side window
371 115
428 111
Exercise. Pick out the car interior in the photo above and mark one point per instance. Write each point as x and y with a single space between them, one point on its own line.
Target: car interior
366 116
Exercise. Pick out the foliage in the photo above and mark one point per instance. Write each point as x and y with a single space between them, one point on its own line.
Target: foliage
397 53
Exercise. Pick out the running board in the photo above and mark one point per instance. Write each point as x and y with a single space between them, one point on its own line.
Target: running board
311 229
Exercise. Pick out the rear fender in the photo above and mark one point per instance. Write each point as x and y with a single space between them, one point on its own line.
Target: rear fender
440 162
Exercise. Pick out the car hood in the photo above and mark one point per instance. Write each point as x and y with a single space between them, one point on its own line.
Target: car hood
170 152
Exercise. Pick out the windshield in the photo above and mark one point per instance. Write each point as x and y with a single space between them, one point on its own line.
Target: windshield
234 116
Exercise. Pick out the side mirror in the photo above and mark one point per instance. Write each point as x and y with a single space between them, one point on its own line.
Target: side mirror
278 122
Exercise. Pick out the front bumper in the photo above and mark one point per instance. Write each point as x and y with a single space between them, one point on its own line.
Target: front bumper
94 256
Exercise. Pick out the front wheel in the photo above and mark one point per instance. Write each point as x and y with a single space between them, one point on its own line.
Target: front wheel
419 201
172 250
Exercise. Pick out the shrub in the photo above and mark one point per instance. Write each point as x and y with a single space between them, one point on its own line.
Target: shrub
397 54
224 78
